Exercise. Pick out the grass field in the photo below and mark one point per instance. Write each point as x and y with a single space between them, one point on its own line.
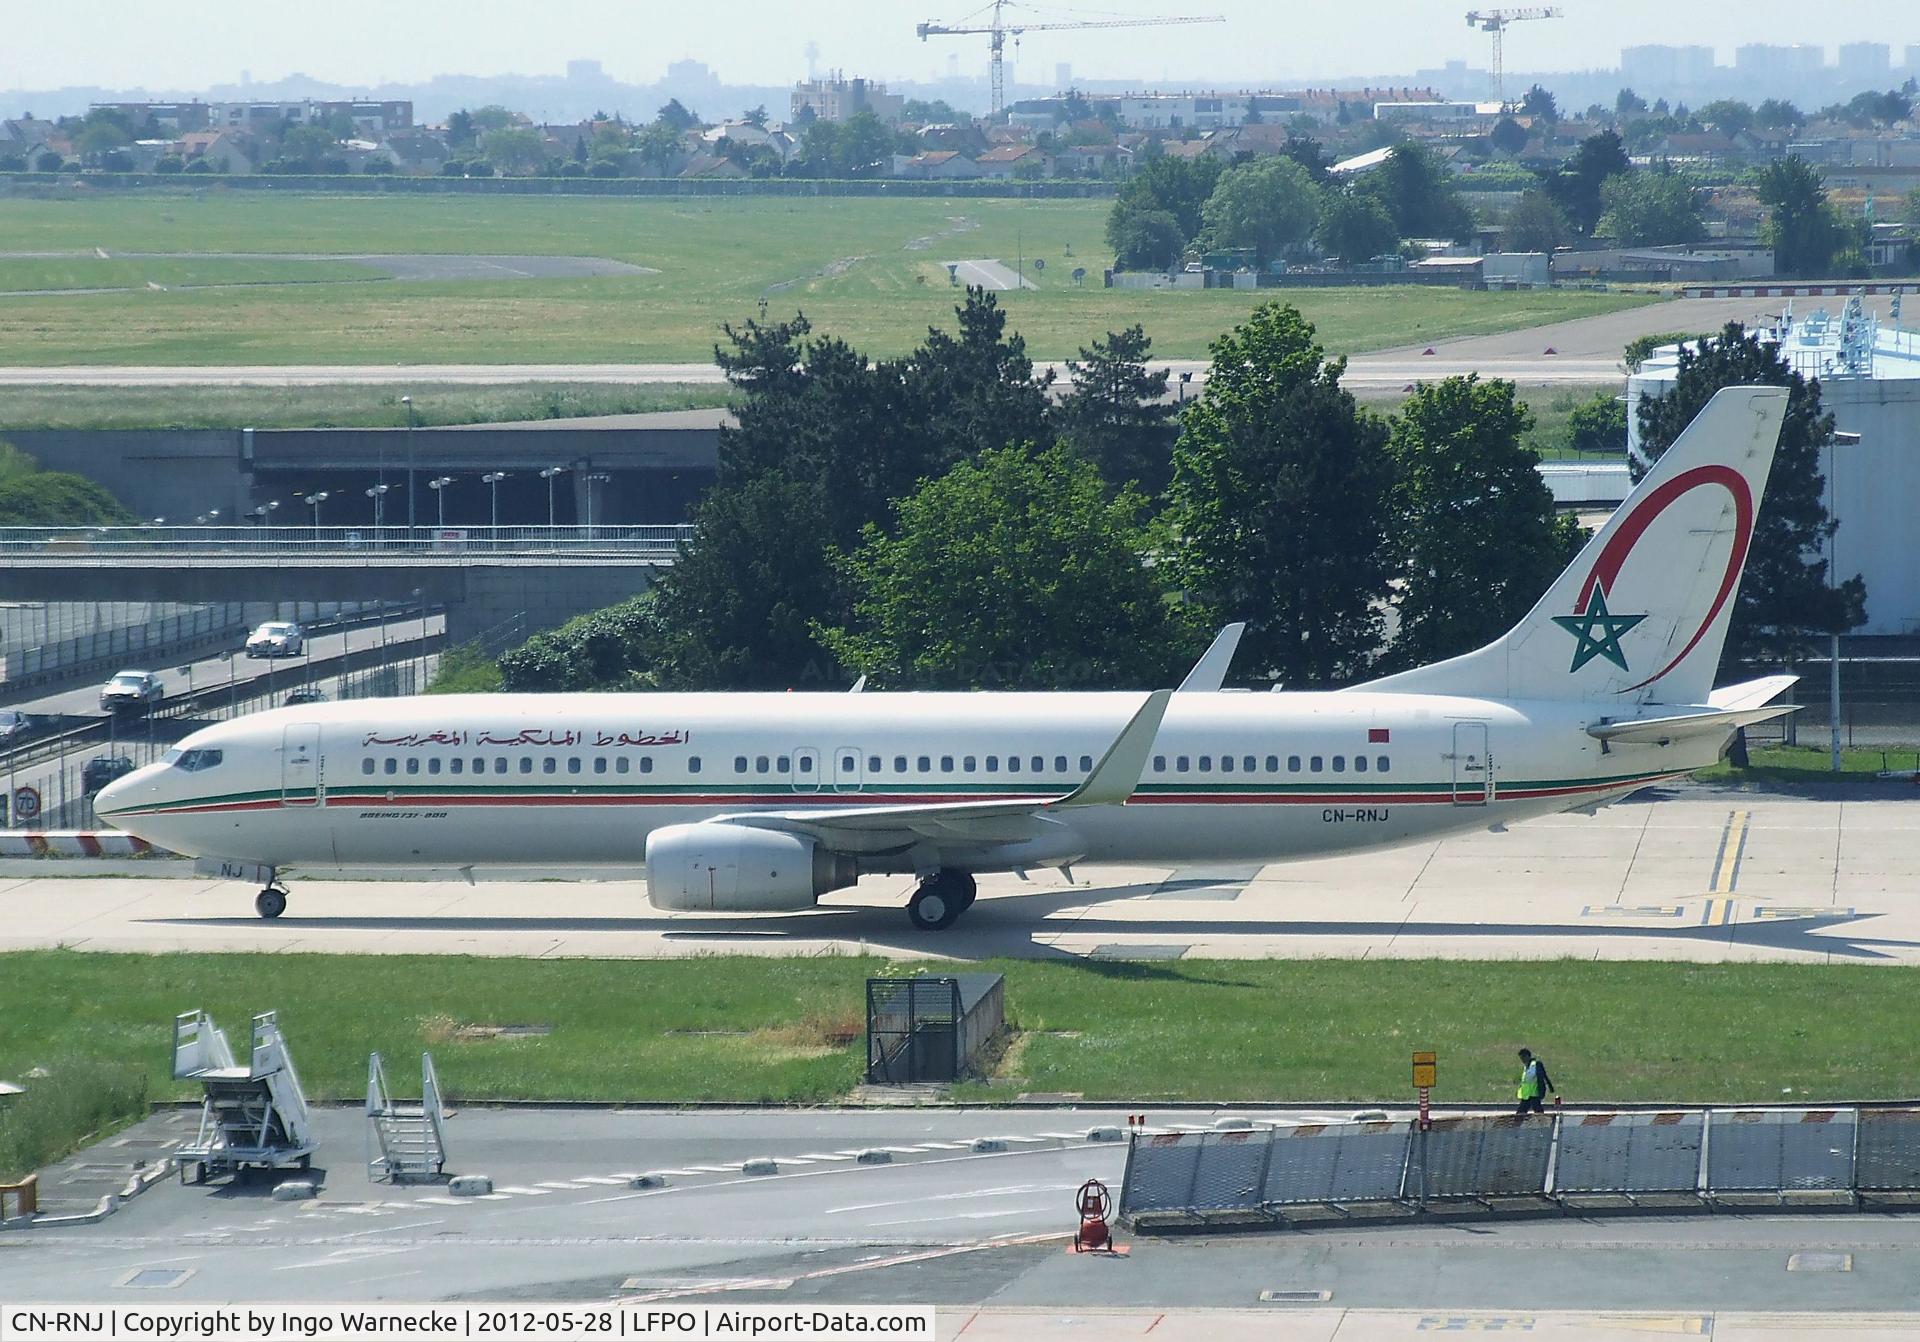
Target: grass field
761 1029
869 270
344 407
1814 765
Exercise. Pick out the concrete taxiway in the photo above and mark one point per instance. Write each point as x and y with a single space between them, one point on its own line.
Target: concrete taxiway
1692 873
978 1235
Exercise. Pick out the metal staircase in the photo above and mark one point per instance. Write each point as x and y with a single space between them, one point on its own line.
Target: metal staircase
251 1117
412 1140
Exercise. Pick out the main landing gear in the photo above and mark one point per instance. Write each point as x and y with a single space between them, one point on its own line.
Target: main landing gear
271 902
940 899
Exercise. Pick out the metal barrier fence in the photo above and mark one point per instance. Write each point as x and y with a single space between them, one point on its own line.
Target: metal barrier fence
928 1028
1708 1155
81 543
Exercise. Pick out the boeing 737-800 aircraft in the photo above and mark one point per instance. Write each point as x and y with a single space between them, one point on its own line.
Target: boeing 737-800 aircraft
766 802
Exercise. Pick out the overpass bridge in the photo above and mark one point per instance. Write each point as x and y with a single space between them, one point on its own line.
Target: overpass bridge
480 576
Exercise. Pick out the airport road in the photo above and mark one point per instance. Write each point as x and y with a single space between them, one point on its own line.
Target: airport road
1697 874
982 1237
1587 351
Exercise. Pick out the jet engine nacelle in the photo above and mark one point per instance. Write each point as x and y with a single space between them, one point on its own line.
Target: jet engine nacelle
711 867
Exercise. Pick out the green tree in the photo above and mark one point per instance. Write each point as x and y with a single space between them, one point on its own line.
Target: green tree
494 117
1801 227
1354 226
1778 114
341 125
38 498
1508 136
1277 514
1535 224
1651 208
1729 116
1176 186
977 385
1269 205
1785 599
657 146
1146 240
306 146
755 115
1598 424
1117 415
1628 104
1417 191
516 150
1015 570
609 649
1575 188
676 116
1539 103
460 130
1475 523
100 137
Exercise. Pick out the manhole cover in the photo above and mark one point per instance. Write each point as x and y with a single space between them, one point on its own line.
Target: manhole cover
1820 1262
1295 1297
155 1278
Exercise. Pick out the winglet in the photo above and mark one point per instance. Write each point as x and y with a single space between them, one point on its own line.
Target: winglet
858 685
1210 672
1118 773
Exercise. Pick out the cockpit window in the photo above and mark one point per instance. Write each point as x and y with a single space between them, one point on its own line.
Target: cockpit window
193 761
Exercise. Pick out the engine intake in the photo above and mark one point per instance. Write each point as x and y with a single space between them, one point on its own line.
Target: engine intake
710 867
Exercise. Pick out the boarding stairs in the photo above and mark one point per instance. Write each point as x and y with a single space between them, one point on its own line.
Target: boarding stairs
251 1117
412 1139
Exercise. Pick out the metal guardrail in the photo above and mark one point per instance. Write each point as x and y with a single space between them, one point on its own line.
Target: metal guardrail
1708 1155
89 544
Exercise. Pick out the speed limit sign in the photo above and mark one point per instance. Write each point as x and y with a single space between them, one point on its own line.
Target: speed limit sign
26 804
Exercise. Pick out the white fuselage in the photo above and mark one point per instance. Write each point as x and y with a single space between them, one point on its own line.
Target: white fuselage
573 781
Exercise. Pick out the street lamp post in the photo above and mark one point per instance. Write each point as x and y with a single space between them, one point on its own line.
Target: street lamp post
407 401
548 475
379 496
594 478
439 487
314 501
492 479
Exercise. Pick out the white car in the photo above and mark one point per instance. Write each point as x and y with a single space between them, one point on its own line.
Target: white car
277 638
131 689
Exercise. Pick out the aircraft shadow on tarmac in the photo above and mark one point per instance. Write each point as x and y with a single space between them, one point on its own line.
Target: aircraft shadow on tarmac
1016 925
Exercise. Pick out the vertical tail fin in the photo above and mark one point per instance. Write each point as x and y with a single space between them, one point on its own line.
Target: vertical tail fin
1641 614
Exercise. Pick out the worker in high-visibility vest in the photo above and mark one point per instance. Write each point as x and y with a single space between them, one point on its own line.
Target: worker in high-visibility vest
1534 1083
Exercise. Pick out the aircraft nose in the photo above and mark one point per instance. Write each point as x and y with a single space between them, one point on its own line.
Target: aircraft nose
122 794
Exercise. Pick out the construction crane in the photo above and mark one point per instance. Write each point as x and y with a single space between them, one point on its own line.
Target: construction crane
1495 21
997 28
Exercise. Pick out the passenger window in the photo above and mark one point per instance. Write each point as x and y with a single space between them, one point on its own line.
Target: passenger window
622 765
1359 764
599 764
946 764
479 764
1315 764
366 766
1339 764
1039 765
783 764
847 765
1226 764
1059 764
433 765
693 764
1293 764
1380 764
1206 764
526 764
549 765
926 763
967 764
1086 764
391 766
1159 764
1180 763
873 764
899 764
1273 764
1247 765
456 765
761 764
806 764
500 764
993 764
573 764
1013 764
739 764
413 764
646 764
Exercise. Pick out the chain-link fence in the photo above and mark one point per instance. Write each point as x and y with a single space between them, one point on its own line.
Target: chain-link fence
1708 1155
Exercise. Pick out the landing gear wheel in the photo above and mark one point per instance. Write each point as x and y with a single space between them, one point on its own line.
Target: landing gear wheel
940 900
271 902
968 887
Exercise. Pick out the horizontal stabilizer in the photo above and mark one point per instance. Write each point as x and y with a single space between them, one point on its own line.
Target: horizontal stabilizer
1681 726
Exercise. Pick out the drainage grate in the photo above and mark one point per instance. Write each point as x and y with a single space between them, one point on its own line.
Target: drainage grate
1295 1297
155 1278
1820 1262
1121 950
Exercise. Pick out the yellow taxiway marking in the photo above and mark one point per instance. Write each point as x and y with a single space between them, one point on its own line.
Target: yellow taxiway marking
1733 845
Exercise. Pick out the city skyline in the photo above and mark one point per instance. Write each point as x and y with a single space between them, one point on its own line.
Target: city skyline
144 44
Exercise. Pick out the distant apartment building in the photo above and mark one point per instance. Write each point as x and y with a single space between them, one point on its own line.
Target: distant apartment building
835 98
1765 61
1867 62
369 115
1658 67
174 116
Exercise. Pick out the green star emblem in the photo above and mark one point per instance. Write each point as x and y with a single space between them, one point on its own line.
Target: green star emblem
1596 631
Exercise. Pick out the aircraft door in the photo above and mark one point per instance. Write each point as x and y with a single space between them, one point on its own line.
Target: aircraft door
300 765
1472 765
846 769
806 769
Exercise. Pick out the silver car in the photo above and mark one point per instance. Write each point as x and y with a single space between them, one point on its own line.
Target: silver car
277 638
131 689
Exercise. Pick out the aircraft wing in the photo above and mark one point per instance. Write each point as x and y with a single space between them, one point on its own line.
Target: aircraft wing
1000 820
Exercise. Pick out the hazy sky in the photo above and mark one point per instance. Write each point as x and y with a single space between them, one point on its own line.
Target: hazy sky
162 43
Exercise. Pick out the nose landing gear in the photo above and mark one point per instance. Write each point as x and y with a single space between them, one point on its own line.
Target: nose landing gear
940 899
271 902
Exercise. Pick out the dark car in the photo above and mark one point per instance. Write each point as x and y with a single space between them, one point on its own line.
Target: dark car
306 694
102 770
